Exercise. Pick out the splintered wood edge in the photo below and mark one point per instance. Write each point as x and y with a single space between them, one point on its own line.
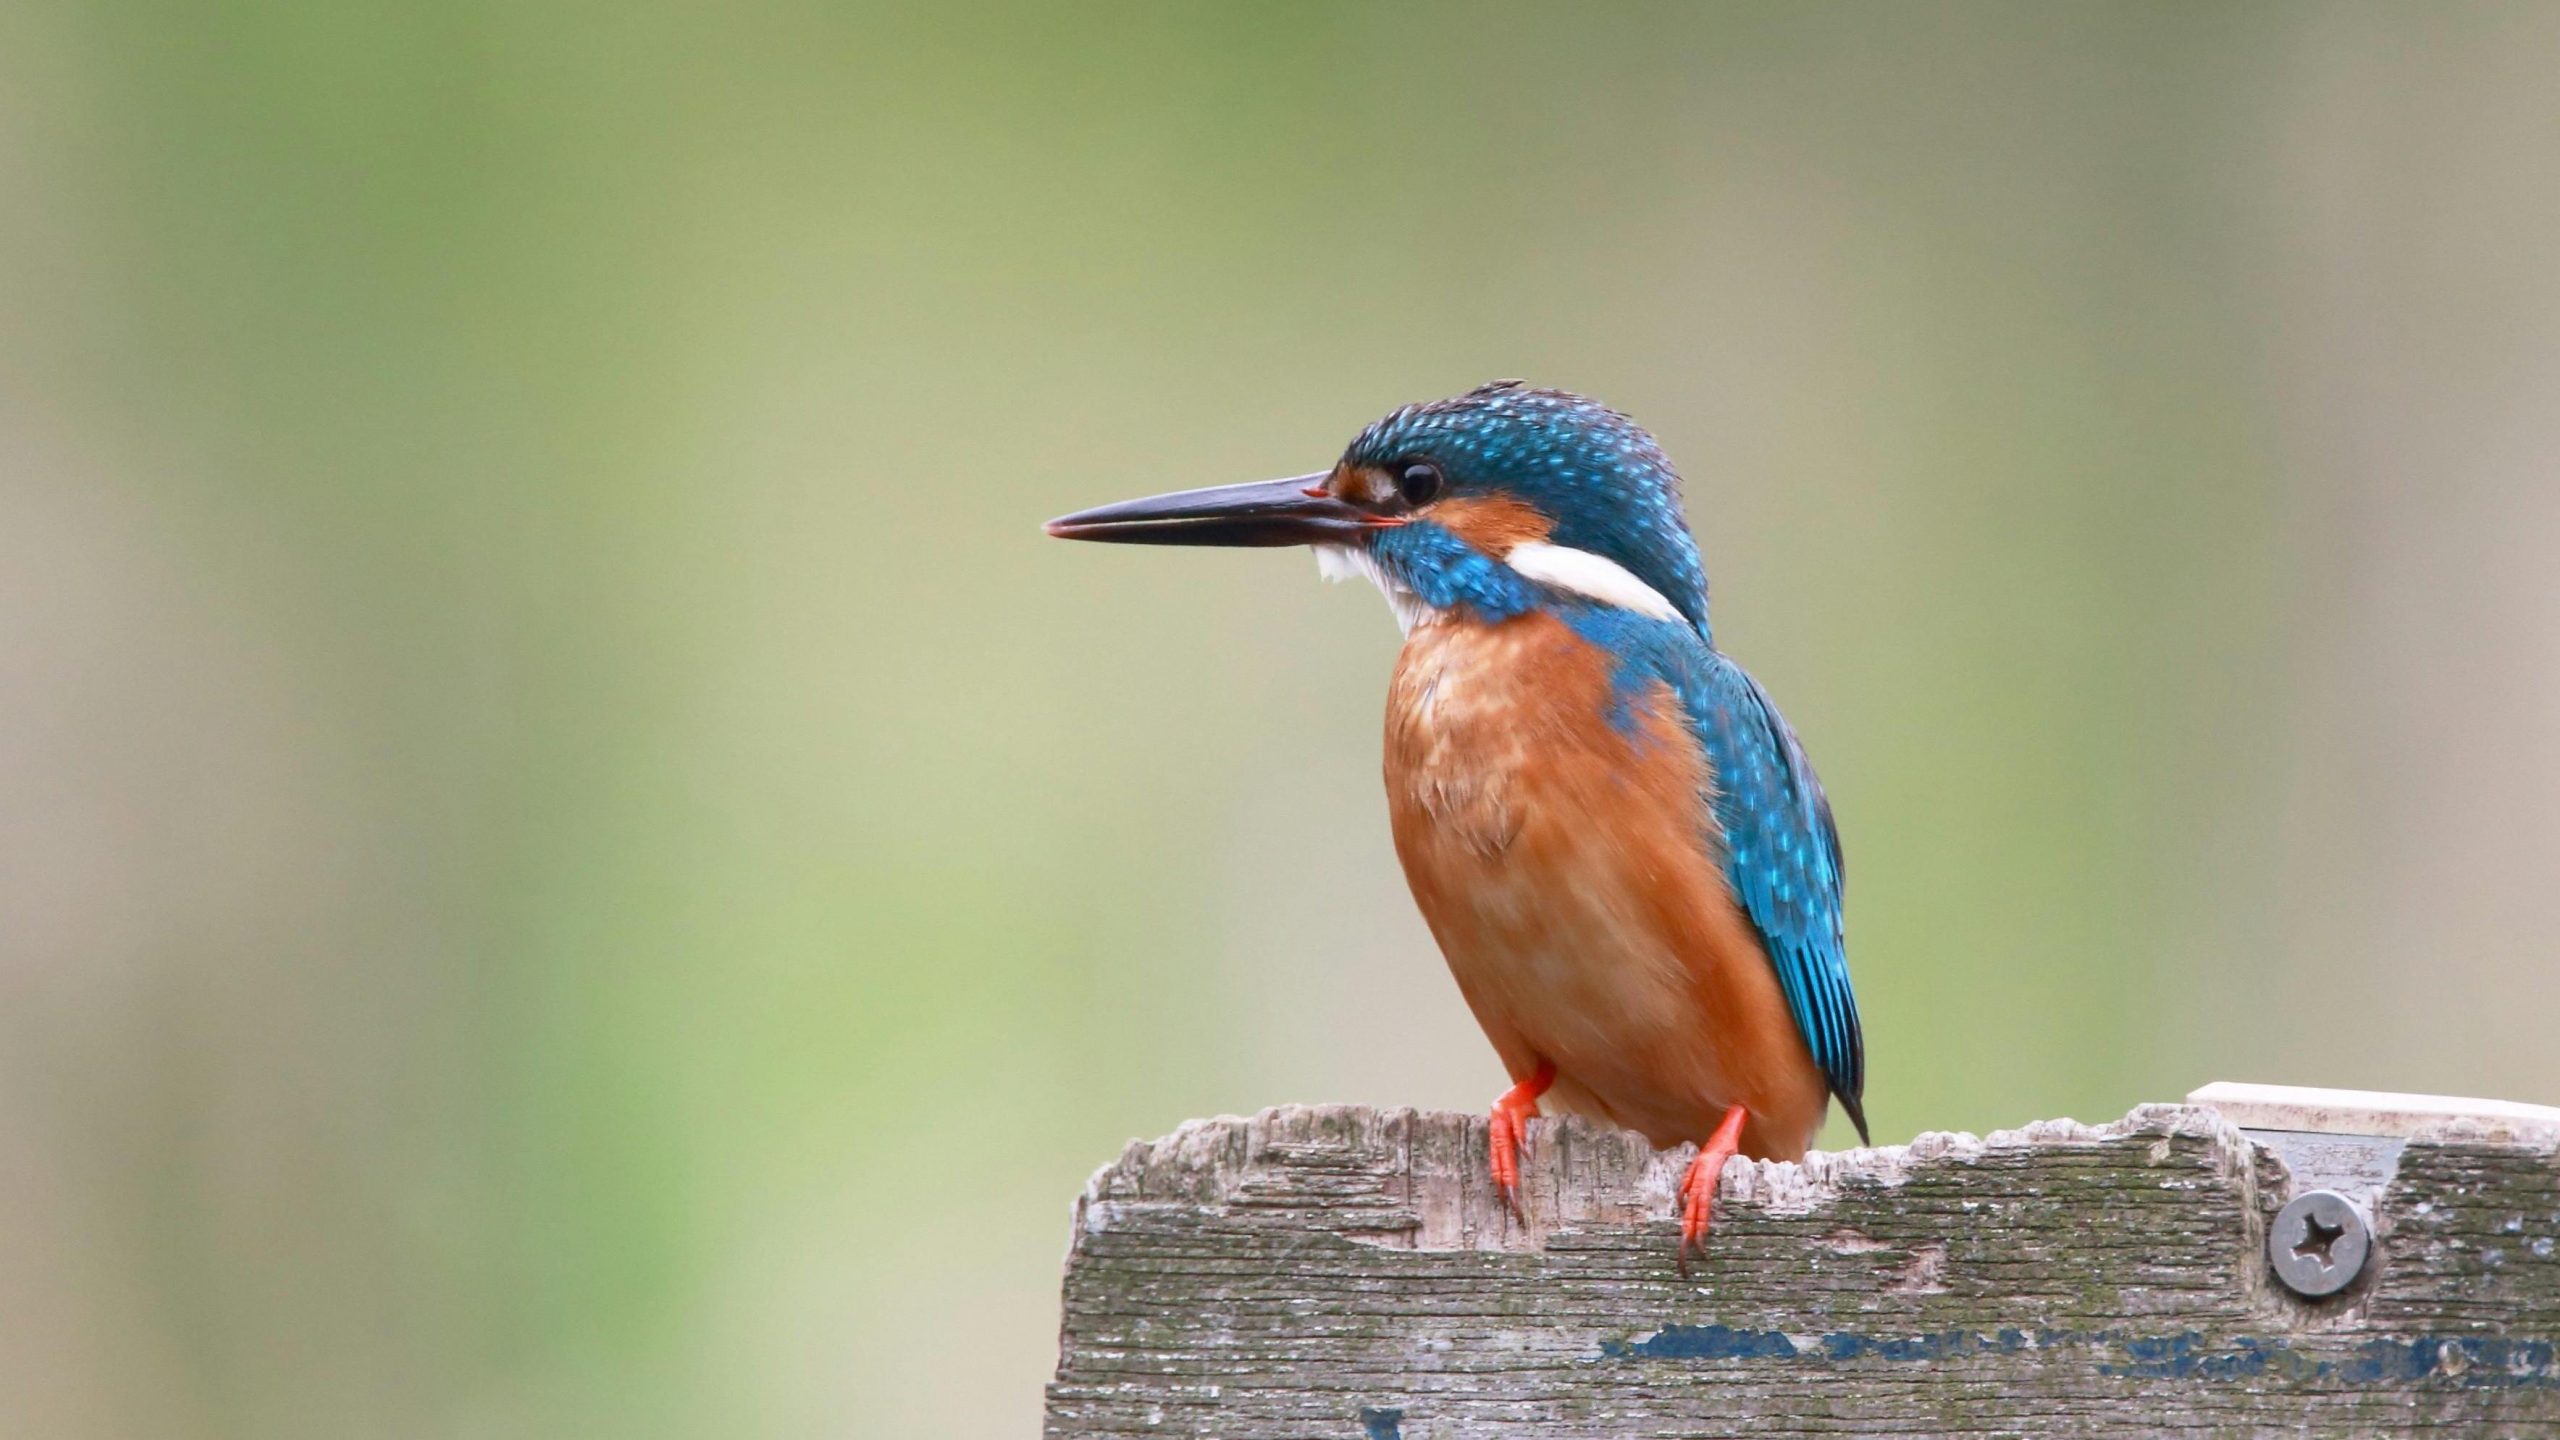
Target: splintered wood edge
1434 1160
1238 1278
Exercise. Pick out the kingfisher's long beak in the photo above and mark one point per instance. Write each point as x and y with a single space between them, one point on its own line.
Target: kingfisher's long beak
1296 511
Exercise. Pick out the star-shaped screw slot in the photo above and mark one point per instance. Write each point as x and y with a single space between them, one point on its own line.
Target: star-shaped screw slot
2316 1239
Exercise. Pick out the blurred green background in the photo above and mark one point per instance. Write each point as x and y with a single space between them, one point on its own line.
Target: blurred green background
571 862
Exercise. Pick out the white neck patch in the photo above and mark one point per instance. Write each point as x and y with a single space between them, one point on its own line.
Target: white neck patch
1354 562
1595 577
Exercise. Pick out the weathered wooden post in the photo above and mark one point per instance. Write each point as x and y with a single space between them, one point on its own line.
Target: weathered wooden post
1343 1272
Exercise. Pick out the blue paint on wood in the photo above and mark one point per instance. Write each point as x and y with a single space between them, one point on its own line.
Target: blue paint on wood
2469 1362
1379 1422
2186 1356
2472 1361
1704 1342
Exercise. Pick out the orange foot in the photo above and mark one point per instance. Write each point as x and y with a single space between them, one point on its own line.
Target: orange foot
1510 1126
1698 1187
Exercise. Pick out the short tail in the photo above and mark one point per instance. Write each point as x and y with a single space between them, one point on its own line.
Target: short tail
1857 1116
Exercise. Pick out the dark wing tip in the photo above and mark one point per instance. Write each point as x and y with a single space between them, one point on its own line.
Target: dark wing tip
1857 1113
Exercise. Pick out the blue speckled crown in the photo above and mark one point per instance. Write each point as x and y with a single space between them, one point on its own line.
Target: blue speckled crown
1595 473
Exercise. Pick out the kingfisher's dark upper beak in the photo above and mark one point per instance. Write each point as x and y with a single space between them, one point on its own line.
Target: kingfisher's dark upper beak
1296 511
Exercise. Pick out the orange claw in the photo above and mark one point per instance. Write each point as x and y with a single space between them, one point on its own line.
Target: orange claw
1698 1187
1510 1126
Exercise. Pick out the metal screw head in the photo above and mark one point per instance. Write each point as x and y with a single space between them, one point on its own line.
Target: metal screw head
2318 1243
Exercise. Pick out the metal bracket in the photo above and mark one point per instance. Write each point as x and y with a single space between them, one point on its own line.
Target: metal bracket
2342 1148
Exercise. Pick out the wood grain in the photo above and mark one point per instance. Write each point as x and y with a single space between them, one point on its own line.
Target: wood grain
1343 1272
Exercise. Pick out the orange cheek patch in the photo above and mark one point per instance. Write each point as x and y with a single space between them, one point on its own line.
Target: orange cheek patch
1492 525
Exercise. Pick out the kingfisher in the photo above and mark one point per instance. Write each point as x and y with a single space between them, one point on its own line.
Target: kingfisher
1615 838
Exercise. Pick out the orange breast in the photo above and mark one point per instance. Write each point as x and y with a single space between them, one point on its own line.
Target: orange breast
1565 866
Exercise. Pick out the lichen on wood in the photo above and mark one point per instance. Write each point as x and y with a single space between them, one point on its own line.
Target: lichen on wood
1340 1271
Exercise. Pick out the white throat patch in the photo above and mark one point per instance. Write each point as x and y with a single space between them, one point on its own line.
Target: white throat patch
1595 577
1353 562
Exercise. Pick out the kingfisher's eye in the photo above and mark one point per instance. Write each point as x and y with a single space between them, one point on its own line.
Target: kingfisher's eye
1418 481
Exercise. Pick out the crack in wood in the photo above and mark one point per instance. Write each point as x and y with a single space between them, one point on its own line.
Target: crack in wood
1322 1271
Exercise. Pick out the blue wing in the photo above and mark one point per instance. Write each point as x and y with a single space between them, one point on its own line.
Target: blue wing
1782 856
1781 853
